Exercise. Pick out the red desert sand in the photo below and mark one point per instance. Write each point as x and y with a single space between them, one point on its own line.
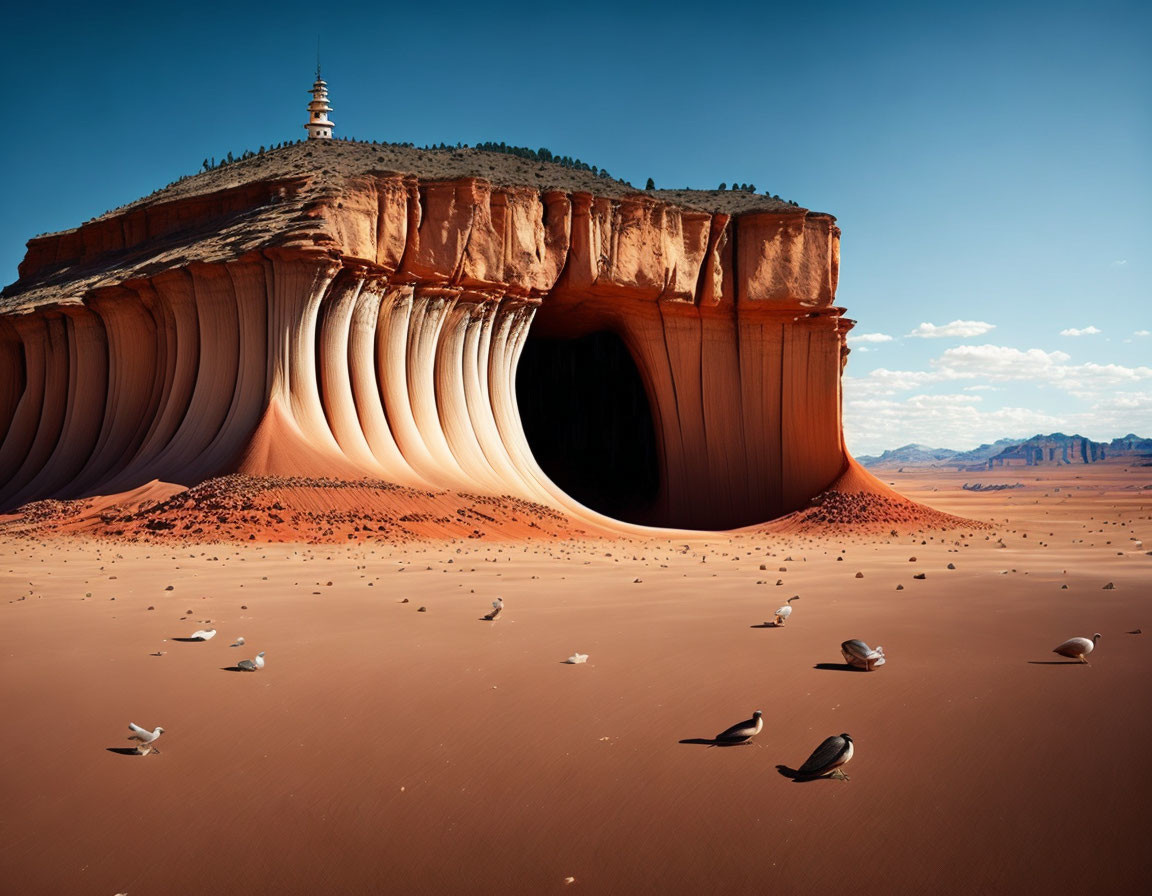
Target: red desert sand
384 750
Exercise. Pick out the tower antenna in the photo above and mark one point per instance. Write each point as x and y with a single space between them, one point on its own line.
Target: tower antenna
317 55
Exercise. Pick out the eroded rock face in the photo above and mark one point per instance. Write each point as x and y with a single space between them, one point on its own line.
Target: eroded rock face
371 327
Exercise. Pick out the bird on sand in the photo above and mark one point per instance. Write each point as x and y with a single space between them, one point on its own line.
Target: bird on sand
1077 648
239 642
577 658
825 760
204 634
253 665
857 653
742 732
785 611
145 739
497 606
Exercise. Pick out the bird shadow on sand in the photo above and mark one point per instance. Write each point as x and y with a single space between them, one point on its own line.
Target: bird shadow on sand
1056 663
189 640
713 742
837 667
798 778
123 751
232 669
766 625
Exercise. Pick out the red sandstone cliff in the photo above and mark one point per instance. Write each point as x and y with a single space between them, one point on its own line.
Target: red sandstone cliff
357 323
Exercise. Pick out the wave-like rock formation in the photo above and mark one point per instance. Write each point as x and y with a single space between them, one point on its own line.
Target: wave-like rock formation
317 317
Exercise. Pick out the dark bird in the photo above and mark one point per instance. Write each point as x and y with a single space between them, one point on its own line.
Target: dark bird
825 760
253 665
857 653
497 606
742 732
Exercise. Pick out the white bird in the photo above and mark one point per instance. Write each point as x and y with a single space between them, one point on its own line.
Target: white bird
205 634
497 606
253 665
145 739
1077 648
577 658
742 732
785 611
857 653
239 642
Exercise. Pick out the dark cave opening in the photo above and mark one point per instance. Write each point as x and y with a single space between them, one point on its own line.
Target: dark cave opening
587 419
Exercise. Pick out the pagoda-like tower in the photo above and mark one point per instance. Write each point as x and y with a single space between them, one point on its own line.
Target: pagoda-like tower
319 127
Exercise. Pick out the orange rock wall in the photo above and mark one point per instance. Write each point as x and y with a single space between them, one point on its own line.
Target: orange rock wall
379 337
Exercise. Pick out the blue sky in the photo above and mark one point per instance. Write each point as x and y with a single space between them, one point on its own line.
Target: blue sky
990 163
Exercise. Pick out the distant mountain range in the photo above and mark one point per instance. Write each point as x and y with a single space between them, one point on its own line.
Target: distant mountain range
1040 450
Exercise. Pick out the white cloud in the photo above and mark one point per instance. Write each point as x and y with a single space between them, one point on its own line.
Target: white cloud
942 401
958 328
1088 379
1142 333
888 382
1126 401
1087 331
871 426
942 422
998 362
886 408
869 337
1120 262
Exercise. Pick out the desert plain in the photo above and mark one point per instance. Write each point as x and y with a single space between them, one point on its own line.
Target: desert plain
388 750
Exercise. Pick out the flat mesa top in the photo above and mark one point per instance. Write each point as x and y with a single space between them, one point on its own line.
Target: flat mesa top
62 267
335 159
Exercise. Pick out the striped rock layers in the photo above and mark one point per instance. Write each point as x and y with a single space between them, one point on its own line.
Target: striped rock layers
371 328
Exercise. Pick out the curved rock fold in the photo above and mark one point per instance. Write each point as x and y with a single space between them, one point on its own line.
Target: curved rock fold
368 327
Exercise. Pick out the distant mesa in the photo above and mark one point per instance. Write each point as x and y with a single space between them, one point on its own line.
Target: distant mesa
1056 449
428 342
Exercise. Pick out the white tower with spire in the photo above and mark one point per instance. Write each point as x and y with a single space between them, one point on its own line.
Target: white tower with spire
319 127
